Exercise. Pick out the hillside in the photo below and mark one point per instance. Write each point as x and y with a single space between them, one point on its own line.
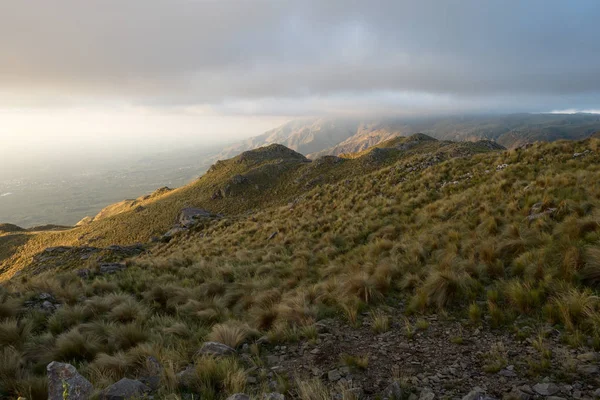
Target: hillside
268 176
419 268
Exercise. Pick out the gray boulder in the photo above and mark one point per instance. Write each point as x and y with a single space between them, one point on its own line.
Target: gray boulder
239 396
215 349
151 373
186 377
546 389
477 394
190 215
65 378
393 392
125 389
273 396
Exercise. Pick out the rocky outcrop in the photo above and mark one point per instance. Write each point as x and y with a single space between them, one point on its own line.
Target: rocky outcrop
125 389
44 302
188 217
64 382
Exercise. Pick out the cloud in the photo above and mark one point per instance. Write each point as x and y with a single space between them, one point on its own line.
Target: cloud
308 57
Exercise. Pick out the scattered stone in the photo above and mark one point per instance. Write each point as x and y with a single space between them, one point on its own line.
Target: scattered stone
272 235
507 373
186 376
152 373
216 349
110 268
239 179
477 394
334 375
84 273
393 392
517 394
427 394
272 360
588 356
189 216
587 369
546 389
273 396
125 389
239 396
64 379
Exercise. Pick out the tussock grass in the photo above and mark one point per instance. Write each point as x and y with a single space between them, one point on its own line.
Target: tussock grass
230 333
372 233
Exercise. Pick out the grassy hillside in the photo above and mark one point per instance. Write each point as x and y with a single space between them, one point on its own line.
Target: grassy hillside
269 176
475 235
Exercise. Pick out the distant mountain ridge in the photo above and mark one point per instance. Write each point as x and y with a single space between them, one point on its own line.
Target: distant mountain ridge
334 136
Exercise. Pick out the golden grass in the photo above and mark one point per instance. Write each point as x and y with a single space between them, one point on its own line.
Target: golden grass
343 248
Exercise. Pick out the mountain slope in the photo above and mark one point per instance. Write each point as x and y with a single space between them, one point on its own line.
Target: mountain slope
269 176
454 260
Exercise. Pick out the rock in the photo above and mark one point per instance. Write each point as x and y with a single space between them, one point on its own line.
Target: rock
125 389
393 392
273 396
517 394
597 393
46 296
272 360
48 307
65 378
216 349
334 375
239 396
588 357
587 369
546 389
526 389
555 398
84 273
186 376
427 394
189 216
263 340
239 179
111 268
477 394
151 373
507 373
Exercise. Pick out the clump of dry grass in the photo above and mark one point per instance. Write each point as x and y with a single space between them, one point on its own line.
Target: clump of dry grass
380 322
232 334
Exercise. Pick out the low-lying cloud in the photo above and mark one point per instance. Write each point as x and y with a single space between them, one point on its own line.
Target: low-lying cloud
304 57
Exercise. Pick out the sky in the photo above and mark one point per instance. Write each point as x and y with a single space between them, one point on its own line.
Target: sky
90 76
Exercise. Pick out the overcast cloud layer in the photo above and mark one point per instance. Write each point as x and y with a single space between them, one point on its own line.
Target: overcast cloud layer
302 57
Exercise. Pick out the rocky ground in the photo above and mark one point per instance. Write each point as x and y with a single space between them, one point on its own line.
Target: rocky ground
446 359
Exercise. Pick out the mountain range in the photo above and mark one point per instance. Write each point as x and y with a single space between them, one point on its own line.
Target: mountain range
334 136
